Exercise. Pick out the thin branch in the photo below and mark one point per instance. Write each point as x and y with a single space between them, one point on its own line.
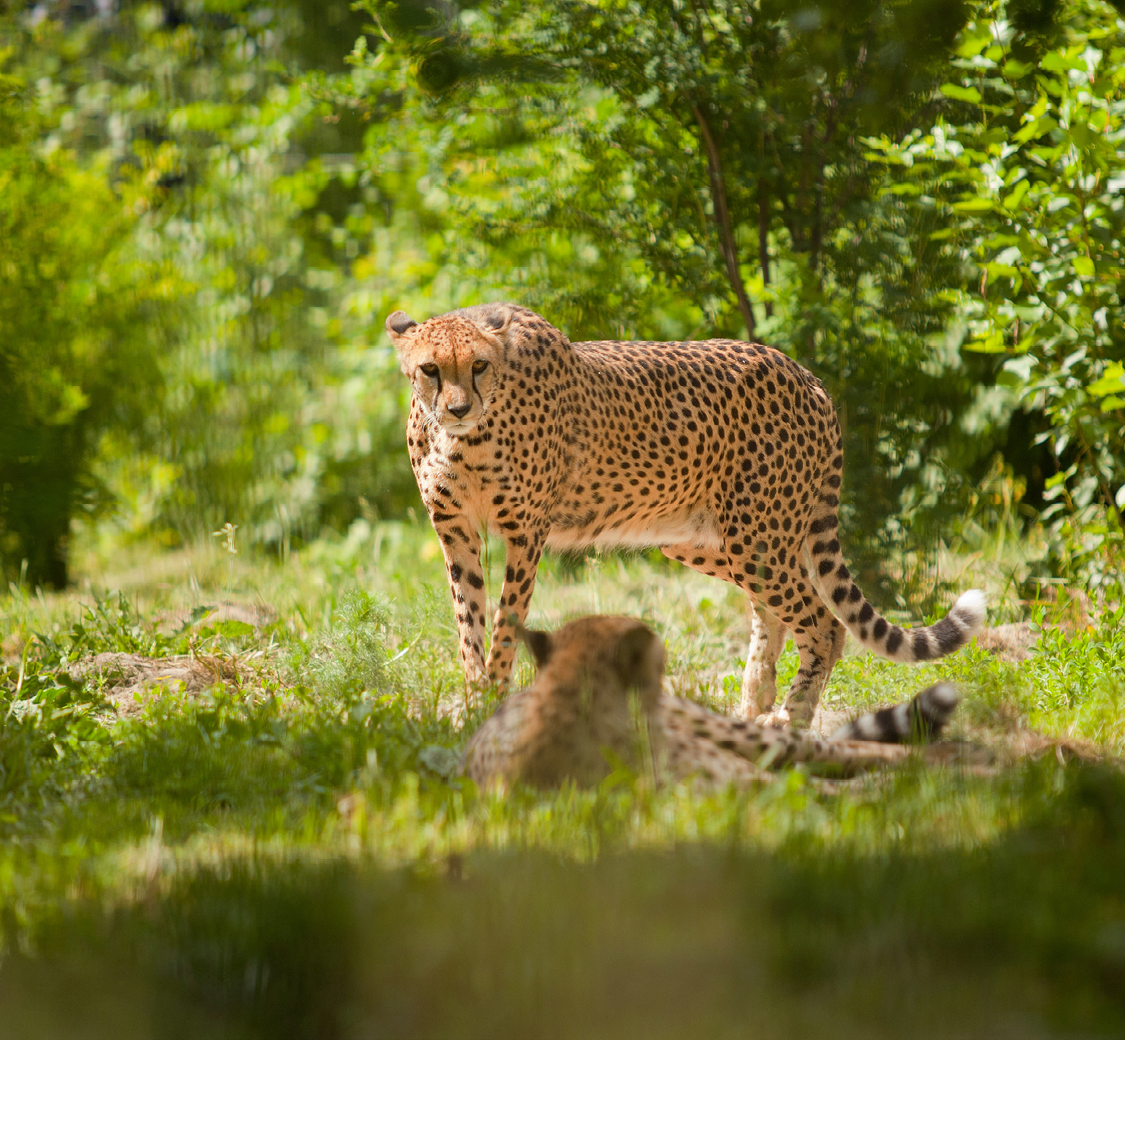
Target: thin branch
764 237
722 220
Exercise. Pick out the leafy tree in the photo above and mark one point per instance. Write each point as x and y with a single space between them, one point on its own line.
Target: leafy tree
1030 159
266 415
655 168
79 316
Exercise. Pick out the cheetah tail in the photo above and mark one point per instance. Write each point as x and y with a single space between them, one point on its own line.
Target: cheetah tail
843 597
917 721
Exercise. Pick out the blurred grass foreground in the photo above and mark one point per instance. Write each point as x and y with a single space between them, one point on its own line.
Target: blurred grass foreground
1024 936
231 806
231 712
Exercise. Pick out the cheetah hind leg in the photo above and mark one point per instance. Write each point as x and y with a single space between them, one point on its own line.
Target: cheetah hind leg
767 633
820 642
759 680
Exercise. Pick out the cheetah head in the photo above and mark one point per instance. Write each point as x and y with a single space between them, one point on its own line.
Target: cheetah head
452 362
616 653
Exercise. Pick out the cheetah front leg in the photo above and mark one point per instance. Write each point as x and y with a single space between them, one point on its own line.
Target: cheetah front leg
460 544
522 554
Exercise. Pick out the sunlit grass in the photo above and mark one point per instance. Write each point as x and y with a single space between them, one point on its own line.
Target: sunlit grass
335 745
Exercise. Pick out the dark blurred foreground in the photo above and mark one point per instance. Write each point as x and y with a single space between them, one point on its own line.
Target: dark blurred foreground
1025 937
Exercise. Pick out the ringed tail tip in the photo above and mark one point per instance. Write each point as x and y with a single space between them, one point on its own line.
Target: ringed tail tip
971 608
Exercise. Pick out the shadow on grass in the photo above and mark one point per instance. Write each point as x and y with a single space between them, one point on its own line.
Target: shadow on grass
1022 937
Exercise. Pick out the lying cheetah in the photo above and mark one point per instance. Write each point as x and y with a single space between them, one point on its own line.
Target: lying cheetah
726 456
578 717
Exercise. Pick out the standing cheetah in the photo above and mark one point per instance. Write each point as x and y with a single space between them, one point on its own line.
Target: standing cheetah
726 456
576 719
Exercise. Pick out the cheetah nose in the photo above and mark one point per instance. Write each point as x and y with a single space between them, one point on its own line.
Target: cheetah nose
461 411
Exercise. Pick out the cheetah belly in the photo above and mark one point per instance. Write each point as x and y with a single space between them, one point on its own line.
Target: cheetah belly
697 526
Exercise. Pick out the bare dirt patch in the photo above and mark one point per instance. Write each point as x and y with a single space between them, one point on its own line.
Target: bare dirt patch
128 679
1011 642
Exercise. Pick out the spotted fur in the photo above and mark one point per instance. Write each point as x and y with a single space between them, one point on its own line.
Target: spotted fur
920 719
597 701
725 455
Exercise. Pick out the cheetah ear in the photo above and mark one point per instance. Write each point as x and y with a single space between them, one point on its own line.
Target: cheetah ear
629 656
497 319
539 644
398 324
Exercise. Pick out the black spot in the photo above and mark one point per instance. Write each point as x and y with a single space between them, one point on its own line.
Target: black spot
879 630
921 646
894 640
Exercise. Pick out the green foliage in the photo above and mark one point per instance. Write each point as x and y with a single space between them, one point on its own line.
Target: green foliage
189 123
199 107
1020 936
347 661
1031 165
294 829
79 316
655 170
845 183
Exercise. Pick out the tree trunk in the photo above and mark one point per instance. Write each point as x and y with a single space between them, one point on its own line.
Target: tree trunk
722 221
764 237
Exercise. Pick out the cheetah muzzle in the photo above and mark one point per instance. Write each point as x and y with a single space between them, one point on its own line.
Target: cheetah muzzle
597 703
727 456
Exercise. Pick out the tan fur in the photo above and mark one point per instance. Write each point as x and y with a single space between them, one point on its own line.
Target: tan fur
725 455
598 701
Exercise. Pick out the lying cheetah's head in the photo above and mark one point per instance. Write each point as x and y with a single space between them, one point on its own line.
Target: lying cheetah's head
452 361
616 653
580 704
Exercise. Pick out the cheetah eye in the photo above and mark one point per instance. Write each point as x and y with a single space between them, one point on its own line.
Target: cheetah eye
479 365
431 369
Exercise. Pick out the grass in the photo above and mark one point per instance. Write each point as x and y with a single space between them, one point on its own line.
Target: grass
292 851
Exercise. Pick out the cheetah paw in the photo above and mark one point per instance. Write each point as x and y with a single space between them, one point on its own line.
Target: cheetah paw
779 718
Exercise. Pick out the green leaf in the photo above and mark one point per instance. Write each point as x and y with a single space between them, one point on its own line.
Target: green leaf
1112 381
234 629
961 93
1015 196
972 46
993 344
967 206
1018 369
1084 266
